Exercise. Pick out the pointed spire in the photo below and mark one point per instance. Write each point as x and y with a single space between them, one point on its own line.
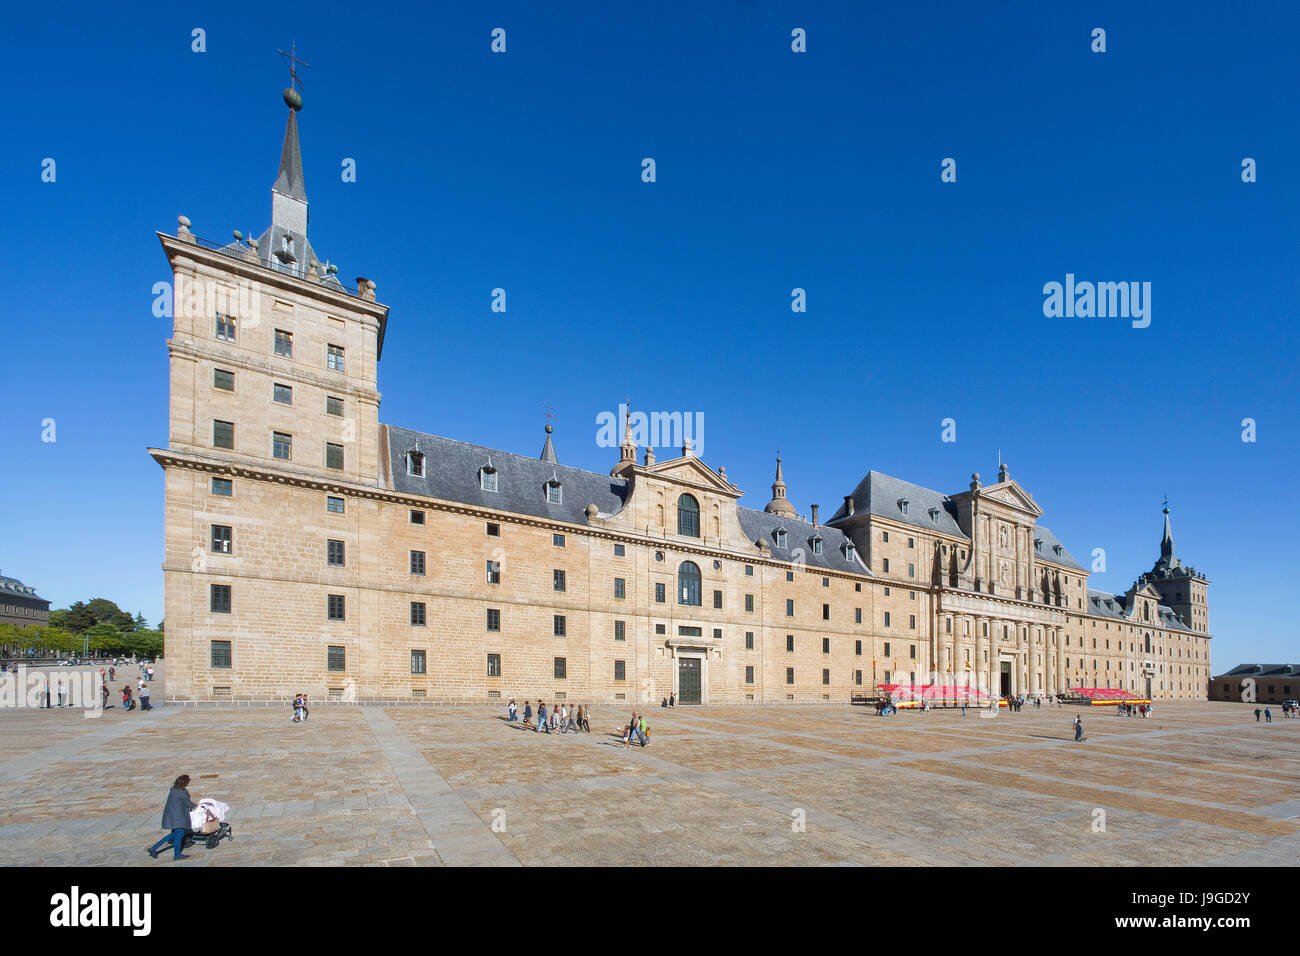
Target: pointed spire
289 181
780 504
1167 541
627 450
548 450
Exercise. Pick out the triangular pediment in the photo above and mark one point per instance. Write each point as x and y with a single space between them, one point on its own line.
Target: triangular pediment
1010 493
693 472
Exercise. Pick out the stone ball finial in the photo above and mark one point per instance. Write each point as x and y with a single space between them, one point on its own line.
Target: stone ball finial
975 476
239 236
293 99
592 511
549 429
762 544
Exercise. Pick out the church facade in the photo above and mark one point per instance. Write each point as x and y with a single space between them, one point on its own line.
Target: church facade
310 548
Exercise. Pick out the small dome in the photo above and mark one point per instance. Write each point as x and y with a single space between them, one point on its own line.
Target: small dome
293 99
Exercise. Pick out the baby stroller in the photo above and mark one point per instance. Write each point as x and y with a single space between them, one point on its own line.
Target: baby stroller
208 823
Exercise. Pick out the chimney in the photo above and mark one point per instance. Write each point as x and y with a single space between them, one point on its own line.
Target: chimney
848 506
814 515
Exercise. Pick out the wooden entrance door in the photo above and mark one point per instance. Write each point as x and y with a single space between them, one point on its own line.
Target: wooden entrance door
688 680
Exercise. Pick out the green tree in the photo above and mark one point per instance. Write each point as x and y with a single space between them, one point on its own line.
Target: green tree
104 638
140 623
78 619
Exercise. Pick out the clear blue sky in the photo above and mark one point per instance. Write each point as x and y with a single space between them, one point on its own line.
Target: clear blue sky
775 170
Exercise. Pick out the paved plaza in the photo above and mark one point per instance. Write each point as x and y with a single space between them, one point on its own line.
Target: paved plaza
1200 783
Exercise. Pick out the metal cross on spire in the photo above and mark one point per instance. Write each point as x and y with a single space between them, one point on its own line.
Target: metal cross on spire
550 410
292 57
1166 503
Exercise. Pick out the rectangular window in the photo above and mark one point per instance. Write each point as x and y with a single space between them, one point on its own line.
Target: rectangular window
560 668
659 593
749 602
219 654
417 613
222 539
857 648
281 446
226 327
826 645
911 570
284 343
223 380
619 550
857 615
417 517
493 529
885 536
336 658
620 670
749 570
857 678
494 665
223 486
826 612
717 600
418 664
219 599
887 648
620 630
826 676
558 625
493 619
912 621
661 628
557 580
911 542
334 505
911 651
749 640
749 674
789 643
334 357
557 540
417 562
684 631
885 565
494 572
333 455
789 607
223 434
789 675
282 394
334 607
620 588
886 619
334 553
789 575
717 633
333 406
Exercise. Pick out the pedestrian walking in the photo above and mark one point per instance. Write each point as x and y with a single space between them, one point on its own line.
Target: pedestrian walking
528 713
1078 728
127 702
586 719
1268 714
513 710
144 698
1257 713
60 691
176 818
541 718
645 735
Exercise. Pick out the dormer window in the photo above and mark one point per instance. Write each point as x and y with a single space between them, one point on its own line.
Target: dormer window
554 491
817 545
779 537
934 515
487 477
903 504
415 463
849 551
1057 548
1038 544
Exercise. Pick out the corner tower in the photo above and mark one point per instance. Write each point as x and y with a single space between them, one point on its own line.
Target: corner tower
1182 588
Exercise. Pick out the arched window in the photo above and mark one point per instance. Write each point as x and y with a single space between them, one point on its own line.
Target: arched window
688 520
688 583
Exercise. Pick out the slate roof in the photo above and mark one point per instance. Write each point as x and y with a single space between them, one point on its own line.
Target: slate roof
1263 670
1114 606
879 494
1048 550
12 586
451 472
799 535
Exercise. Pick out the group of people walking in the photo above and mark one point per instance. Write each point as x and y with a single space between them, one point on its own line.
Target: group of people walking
299 709
559 719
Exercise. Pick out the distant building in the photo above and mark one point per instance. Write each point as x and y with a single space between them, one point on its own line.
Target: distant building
21 605
1272 683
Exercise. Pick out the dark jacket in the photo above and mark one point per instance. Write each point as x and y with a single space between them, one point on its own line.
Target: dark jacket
176 813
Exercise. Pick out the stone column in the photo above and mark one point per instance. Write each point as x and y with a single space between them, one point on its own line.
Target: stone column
1022 655
994 671
1060 663
1033 663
